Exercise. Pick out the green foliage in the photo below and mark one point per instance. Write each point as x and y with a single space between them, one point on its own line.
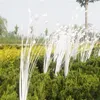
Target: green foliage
82 82
46 31
3 26
10 39
16 29
9 76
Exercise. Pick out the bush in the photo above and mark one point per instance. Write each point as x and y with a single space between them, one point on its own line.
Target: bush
82 82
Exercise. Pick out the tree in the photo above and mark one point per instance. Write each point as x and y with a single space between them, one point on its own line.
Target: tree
3 26
31 28
46 31
16 29
85 4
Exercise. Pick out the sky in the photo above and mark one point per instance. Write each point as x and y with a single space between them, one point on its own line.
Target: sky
50 13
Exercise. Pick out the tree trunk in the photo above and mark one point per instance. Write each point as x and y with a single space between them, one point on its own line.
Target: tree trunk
86 14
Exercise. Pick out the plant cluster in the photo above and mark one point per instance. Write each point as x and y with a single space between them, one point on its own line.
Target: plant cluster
82 82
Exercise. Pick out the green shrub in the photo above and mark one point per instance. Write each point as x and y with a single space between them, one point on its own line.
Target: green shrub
82 82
